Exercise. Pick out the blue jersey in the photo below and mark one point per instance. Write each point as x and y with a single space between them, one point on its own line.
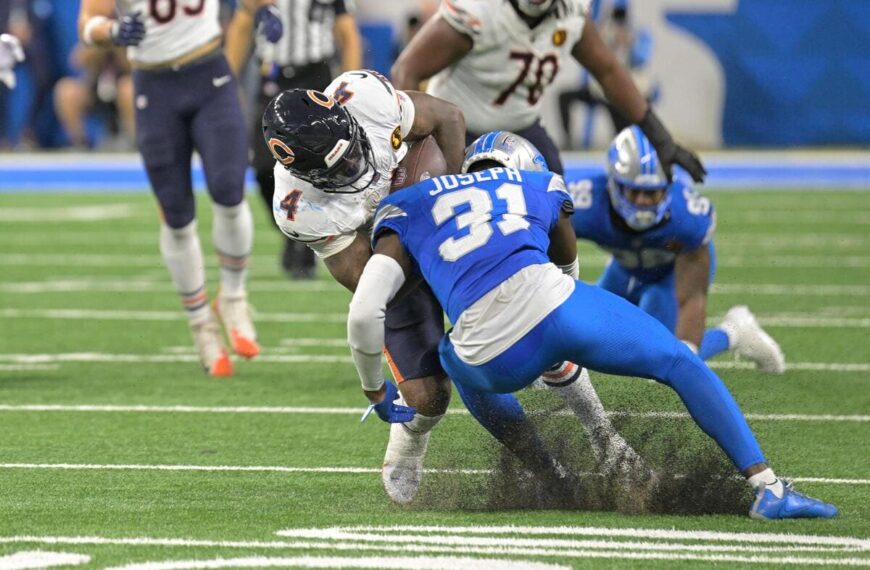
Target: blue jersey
468 233
648 255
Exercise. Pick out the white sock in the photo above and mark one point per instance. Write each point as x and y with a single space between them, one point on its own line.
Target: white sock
422 424
767 478
182 254
233 235
579 395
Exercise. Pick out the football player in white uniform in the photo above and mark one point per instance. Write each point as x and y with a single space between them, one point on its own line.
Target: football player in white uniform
495 58
336 151
187 99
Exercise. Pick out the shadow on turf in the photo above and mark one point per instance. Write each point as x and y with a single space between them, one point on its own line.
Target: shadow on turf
695 478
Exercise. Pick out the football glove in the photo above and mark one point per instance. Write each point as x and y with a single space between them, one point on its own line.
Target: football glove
668 151
388 410
268 21
129 30
10 54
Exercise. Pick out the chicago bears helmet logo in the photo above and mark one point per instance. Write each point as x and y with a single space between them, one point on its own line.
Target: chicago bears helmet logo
321 98
559 37
282 153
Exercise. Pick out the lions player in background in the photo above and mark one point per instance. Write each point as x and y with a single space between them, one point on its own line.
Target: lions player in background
187 99
661 238
495 58
484 242
336 151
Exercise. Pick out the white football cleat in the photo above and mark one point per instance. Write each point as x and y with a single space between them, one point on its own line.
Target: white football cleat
210 347
749 340
235 313
403 463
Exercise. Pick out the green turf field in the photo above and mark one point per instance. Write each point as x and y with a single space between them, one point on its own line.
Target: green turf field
116 451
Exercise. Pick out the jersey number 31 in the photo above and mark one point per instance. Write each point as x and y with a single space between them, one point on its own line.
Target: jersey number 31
478 217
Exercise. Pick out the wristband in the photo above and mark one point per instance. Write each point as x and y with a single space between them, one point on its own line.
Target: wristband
90 26
572 269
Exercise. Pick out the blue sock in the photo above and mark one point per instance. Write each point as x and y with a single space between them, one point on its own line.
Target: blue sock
715 341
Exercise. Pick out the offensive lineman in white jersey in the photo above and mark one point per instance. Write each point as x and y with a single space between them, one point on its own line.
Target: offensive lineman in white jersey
495 58
187 99
336 151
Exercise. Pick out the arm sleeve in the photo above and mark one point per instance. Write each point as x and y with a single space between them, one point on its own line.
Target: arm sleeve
389 217
407 111
380 281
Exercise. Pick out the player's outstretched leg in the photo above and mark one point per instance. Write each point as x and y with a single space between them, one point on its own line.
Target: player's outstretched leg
606 333
746 338
183 257
402 470
614 455
233 233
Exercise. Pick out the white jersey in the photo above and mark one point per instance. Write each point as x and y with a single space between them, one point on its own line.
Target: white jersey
328 221
499 83
172 27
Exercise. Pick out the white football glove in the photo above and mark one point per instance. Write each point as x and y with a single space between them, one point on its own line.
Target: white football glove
11 53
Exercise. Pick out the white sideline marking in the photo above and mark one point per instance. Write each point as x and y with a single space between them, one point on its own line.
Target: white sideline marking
397 563
37 559
790 320
654 533
326 470
27 367
67 214
91 314
164 286
104 357
299 410
594 260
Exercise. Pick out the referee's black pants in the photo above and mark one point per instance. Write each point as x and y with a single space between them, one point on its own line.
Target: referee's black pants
297 259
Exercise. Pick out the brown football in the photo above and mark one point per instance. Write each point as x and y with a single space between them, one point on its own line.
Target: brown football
424 160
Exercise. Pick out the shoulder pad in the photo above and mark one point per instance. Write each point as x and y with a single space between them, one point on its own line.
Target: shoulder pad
465 16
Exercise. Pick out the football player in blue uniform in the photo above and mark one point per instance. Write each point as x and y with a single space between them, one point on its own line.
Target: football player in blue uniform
488 243
661 238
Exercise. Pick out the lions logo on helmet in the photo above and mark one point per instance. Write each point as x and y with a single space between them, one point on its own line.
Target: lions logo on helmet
504 148
318 141
633 166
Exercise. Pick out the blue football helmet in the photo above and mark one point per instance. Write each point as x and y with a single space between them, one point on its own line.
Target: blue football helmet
506 149
632 164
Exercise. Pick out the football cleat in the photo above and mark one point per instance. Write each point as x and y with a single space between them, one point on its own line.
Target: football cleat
235 313
210 347
403 463
792 505
749 340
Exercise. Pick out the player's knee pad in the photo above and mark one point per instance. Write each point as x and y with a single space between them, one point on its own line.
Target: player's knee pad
177 237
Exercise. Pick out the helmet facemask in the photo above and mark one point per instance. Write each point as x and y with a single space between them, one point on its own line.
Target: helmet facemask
638 217
352 168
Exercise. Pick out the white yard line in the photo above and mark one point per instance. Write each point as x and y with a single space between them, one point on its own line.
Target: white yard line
35 560
317 470
373 562
67 214
103 357
788 320
351 411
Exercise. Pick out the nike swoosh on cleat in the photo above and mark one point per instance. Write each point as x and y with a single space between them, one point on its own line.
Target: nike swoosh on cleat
221 81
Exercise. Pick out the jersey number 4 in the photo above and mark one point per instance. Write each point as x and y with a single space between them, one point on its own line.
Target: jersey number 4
478 217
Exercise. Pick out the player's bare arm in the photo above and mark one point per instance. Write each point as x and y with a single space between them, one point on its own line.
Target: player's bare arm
563 244
349 42
442 120
240 32
692 275
435 47
347 265
594 55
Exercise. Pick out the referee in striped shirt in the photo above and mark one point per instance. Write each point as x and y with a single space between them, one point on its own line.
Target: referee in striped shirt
317 35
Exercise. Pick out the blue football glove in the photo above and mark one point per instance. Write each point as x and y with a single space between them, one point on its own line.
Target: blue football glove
268 21
129 30
389 411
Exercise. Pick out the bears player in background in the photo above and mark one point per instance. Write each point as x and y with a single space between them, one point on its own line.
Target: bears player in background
495 59
187 99
486 242
335 154
661 238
